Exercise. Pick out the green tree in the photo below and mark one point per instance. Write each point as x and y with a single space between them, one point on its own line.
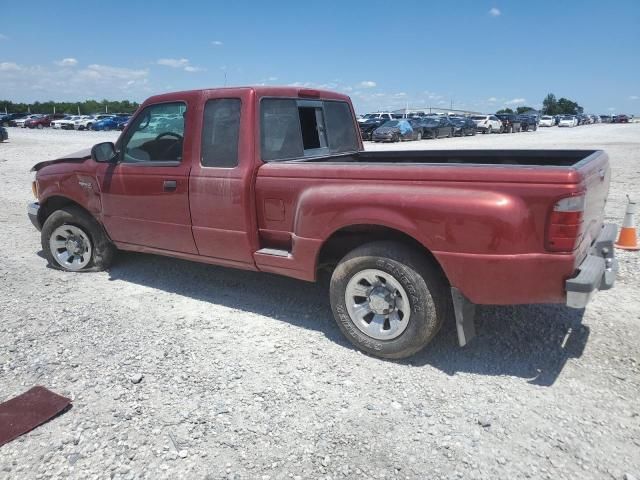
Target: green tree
505 110
523 109
550 105
568 107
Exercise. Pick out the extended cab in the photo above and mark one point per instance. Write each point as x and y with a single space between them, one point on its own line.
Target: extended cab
275 179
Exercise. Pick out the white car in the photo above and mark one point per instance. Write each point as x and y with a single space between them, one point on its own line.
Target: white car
66 122
21 121
85 122
487 123
373 116
568 121
547 121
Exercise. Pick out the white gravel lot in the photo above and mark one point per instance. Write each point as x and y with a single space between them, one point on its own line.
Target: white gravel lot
245 375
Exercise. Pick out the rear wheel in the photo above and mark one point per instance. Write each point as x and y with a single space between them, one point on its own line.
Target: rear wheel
73 241
388 299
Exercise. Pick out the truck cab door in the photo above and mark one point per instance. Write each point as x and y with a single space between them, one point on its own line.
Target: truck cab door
222 179
145 195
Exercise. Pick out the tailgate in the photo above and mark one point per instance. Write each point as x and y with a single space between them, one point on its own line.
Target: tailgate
596 174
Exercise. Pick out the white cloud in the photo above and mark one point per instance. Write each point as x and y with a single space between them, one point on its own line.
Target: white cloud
367 84
173 62
516 101
36 82
182 63
217 43
611 109
634 97
492 99
9 67
3 37
495 12
67 62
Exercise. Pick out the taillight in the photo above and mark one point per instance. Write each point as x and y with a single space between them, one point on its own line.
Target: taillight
564 228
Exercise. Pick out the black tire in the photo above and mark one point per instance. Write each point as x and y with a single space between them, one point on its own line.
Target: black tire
436 133
489 130
419 136
450 134
103 250
427 291
510 129
535 127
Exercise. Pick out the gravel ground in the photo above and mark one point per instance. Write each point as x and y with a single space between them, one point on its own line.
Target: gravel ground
183 370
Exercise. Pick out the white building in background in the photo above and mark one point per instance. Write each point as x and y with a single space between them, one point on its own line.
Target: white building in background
441 111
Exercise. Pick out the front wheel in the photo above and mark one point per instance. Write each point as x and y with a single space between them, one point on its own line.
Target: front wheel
73 241
388 299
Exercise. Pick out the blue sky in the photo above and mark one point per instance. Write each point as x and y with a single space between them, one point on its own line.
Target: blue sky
480 55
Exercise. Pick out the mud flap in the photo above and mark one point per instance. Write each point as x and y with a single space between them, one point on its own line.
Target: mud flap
465 312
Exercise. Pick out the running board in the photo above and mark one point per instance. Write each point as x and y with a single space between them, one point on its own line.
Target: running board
274 252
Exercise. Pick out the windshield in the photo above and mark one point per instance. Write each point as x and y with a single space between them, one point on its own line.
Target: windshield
371 115
391 123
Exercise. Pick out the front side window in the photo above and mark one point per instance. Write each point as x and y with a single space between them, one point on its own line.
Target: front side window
220 132
156 135
293 128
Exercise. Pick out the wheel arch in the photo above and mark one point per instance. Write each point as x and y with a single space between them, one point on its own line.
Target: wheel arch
56 202
347 238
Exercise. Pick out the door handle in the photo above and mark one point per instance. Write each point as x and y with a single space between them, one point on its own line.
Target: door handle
170 185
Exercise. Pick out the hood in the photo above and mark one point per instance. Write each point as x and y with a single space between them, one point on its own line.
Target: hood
387 130
75 157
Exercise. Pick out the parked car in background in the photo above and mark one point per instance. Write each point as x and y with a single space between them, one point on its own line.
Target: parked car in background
20 122
510 122
109 123
7 119
620 119
528 122
367 128
65 123
379 115
547 121
123 123
487 123
436 126
4 135
568 121
85 122
395 131
605 118
40 122
463 126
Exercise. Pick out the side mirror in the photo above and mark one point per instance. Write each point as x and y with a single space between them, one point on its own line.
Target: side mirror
104 152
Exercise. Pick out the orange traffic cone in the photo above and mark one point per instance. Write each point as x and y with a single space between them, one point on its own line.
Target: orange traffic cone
628 239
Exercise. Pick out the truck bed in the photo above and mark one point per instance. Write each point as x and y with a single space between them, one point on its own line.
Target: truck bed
543 158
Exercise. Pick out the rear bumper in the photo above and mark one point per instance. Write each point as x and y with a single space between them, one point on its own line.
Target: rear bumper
596 272
32 212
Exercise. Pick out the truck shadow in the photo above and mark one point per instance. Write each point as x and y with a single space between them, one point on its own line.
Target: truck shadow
532 342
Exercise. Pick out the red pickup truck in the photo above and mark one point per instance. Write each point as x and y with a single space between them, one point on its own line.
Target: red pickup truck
275 179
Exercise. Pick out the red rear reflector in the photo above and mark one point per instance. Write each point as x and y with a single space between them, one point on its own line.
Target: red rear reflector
564 226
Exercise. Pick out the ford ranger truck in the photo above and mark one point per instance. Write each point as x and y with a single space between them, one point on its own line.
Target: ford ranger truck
275 179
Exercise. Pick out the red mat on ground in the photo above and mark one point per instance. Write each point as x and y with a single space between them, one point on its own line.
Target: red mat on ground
25 412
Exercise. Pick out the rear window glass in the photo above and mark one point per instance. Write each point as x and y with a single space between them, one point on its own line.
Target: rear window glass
293 128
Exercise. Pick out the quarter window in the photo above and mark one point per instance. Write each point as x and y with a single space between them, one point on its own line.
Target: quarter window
220 132
156 135
305 128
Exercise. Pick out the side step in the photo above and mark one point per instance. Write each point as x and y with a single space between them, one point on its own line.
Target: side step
274 252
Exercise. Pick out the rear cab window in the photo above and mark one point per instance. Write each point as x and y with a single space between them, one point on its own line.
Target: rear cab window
294 129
